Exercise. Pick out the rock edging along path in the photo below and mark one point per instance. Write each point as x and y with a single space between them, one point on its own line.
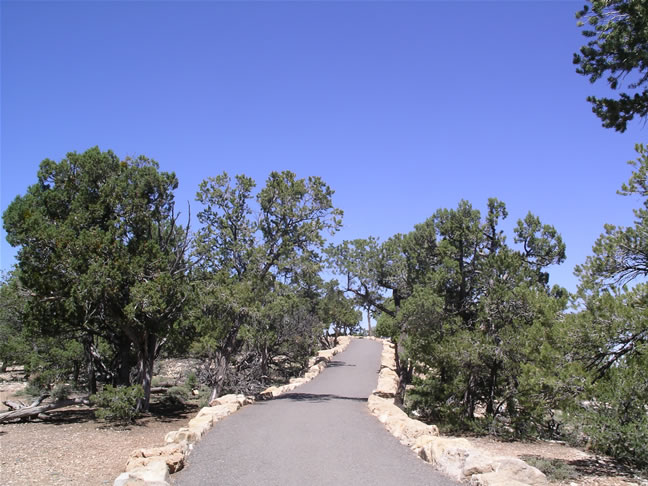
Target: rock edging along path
152 466
321 433
457 458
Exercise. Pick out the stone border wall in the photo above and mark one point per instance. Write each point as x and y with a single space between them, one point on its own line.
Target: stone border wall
151 467
456 458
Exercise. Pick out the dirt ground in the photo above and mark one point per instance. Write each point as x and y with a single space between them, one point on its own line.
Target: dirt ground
589 469
72 447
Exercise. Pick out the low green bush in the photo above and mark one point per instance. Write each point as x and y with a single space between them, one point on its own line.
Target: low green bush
192 381
554 469
117 404
178 394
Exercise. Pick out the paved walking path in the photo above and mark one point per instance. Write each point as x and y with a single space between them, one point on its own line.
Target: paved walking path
321 434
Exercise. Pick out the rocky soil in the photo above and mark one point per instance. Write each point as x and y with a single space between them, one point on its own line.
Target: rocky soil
74 448
588 469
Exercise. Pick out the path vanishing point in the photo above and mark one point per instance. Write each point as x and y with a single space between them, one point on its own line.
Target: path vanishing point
321 434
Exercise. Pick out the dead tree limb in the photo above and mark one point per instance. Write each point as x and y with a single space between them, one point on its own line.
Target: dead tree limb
14 405
35 411
20 405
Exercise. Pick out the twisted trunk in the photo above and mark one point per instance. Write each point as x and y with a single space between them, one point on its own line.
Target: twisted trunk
146 353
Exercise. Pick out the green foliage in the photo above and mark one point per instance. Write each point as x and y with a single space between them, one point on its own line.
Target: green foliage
615 420
192 381
178 394
554 469
612 325
102 257
204 396
468 311
118 404
52 360
257 286
337 311
386 326
610 333
157 380
617 49
31 390
14 345
621 253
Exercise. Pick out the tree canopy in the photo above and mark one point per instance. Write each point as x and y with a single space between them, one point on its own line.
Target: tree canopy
460 303
258 271
610 333
617 50
107 278
102 257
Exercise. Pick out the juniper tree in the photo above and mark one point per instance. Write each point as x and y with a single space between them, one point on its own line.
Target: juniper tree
259 257
103 257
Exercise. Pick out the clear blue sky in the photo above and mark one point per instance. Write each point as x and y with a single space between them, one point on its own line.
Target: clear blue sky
401 107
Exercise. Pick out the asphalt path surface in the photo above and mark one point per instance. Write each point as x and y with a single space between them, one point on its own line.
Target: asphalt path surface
320 434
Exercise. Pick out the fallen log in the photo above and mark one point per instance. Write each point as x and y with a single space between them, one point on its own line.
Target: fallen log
19 405
14 405
35 411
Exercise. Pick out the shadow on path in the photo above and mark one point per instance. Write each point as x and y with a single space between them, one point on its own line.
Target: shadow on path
316 397
337 364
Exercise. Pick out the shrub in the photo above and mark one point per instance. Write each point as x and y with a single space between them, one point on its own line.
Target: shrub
178 395
615 420
192 381
554 469
118 404
203 396
61 392
32 390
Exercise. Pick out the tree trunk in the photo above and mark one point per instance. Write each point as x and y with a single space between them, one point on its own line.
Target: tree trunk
18 405
469 397
76 373
404 371
229 348
90 368
221 368
369 333
265 361
124 363
145 359
492 380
